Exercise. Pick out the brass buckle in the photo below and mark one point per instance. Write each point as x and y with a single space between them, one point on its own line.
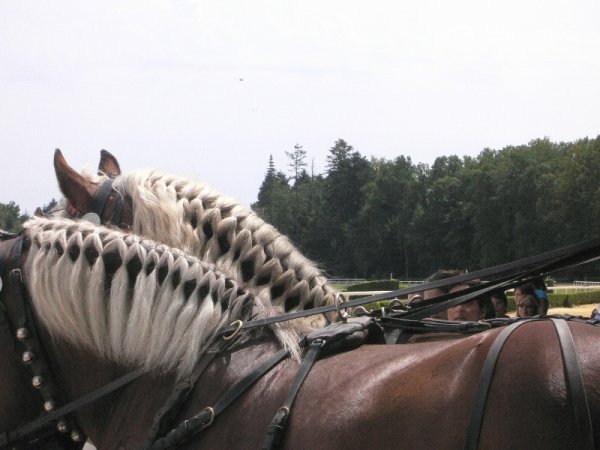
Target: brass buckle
234 333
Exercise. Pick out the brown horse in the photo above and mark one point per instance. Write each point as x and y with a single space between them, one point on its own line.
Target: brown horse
109 302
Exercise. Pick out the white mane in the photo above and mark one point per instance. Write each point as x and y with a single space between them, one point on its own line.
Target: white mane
129 299
196 218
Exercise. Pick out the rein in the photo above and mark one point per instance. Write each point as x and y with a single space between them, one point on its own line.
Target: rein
508 275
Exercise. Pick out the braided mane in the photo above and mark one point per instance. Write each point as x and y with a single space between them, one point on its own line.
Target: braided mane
196 218
129 299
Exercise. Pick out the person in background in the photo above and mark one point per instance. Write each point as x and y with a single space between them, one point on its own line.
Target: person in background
431 293
499 304
529 289
477 309
540 292
596 312
528 305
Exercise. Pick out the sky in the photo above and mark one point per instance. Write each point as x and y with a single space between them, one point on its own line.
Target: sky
210 89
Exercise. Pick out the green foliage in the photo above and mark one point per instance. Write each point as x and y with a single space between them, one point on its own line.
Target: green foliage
572 299
369 218
375 285
565 300
10 217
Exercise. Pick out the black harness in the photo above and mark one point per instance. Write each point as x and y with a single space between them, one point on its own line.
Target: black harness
573 379
18 316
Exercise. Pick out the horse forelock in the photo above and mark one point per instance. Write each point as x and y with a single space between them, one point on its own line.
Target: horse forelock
129 299
193 216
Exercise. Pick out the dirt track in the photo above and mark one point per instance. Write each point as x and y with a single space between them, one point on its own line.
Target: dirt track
578 310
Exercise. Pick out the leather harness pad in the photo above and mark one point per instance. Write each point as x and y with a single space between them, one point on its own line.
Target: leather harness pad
344 336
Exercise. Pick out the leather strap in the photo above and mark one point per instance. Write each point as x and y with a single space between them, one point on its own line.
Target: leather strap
574 381
485 381
508 275
192 426
100 198
276 429
165 417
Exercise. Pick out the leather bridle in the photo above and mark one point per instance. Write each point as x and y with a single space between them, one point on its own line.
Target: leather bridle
107 207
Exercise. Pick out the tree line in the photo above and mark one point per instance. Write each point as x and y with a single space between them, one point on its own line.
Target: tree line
370 218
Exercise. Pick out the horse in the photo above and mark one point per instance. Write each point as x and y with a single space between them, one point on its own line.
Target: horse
109 302
193 216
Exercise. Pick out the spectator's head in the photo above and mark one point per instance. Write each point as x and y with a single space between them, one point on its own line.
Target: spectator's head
524 289
477 309
436 292
527 305
499 303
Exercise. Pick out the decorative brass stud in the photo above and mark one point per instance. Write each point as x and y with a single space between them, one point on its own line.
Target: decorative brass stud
62 426
22 333
49 405
76 436
28 357
37 381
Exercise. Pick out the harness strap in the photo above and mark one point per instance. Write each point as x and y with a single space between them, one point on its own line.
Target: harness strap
192 426
164 418
485 380
276 429
101 197
41 422
581 411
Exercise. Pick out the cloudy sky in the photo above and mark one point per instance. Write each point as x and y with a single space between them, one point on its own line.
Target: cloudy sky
211 88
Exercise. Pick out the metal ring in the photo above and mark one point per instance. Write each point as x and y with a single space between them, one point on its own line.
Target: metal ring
235 332
339 300
212 417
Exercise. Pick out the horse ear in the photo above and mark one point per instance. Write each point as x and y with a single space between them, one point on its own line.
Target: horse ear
108 164
78 190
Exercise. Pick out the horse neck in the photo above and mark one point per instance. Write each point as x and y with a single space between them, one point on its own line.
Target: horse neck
124 418
218 230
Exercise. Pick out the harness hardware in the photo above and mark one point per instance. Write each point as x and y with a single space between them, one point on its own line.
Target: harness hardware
238 324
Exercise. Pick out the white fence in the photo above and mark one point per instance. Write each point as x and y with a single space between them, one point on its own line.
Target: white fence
346 281
587 283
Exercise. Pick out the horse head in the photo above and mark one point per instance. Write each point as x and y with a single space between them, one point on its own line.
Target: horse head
197 219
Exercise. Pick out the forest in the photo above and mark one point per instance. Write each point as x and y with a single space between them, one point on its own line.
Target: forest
375 218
